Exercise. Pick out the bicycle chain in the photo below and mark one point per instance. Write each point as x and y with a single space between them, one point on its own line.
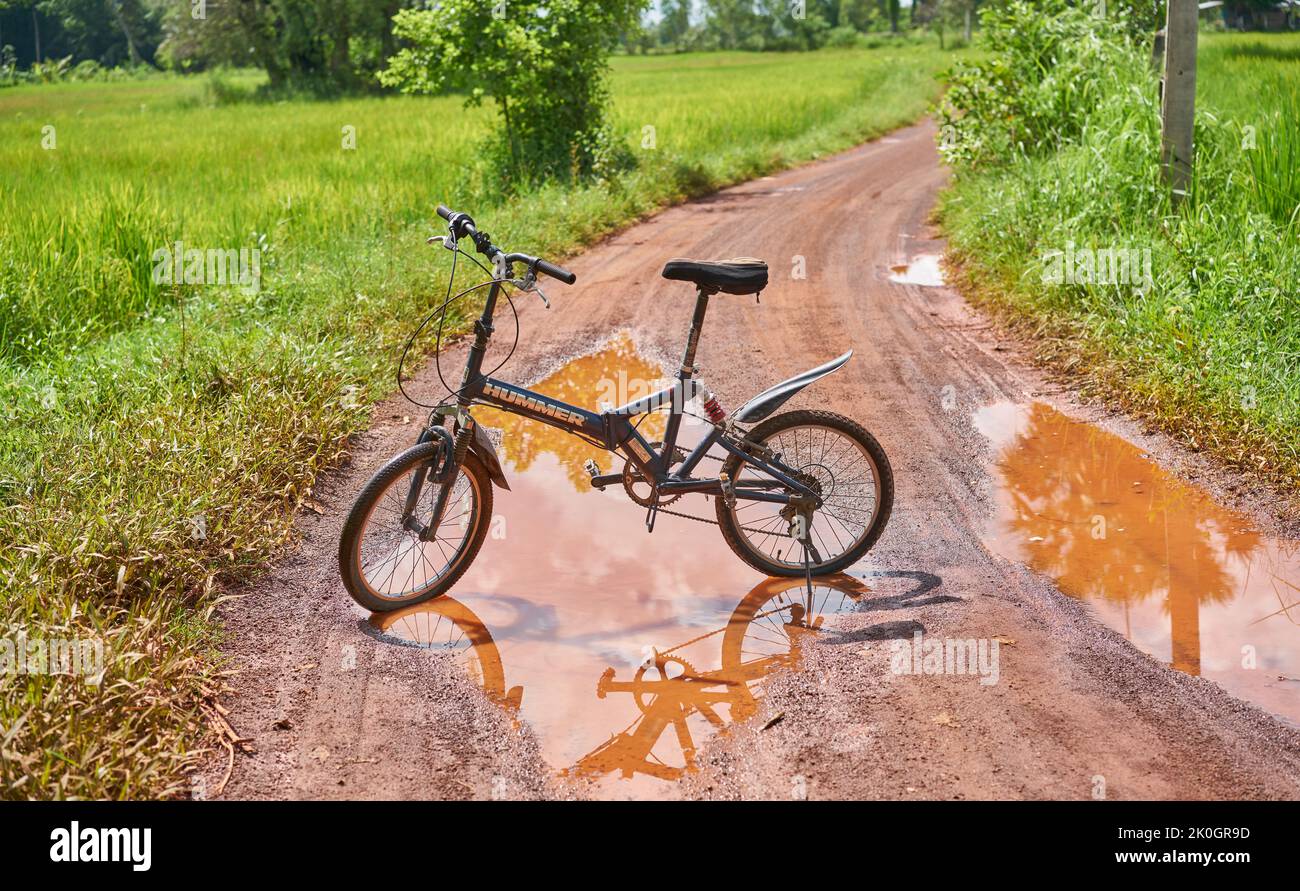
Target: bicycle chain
677 513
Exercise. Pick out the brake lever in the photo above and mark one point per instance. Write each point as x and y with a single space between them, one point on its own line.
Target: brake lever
447 241
529 283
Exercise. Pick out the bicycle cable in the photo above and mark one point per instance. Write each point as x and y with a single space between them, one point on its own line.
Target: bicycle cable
441 312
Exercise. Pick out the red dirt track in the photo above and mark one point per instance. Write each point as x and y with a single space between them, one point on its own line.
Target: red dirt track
1077 713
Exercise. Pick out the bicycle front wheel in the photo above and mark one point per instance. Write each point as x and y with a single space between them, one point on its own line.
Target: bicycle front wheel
384 563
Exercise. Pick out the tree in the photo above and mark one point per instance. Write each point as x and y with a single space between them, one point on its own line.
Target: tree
674 23
544 65
942 16
856 14
801 27
110 31
323 46
194 43
636 38
732 23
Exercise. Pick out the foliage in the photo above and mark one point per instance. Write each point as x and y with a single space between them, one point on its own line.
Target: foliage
1048 64
1210 349
544 66
321 46
112 32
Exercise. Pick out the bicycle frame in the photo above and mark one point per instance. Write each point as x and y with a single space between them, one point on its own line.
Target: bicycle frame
614 430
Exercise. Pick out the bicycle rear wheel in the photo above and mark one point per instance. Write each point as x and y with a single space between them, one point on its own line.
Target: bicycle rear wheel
838 458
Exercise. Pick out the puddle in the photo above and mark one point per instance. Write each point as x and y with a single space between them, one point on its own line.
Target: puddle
1157 559
622 651
924 270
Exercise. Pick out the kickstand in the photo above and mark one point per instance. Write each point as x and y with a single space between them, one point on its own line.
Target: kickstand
807 571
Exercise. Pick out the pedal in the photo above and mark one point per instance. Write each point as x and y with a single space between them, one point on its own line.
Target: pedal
728 490
593 471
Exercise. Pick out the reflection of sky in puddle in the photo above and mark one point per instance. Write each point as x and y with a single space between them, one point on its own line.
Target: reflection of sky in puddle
624 652
1181 577
923 270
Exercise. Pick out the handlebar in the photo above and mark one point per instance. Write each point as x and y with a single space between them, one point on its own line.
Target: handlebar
462 225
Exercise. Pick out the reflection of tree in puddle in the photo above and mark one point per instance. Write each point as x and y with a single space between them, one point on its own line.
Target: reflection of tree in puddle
617 374
765 633
1088 509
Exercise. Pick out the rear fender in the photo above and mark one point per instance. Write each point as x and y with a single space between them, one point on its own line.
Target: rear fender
773 398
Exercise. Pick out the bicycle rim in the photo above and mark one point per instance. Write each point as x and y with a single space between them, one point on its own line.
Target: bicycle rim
849 483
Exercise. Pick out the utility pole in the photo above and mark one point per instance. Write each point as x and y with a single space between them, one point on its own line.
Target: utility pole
1178 102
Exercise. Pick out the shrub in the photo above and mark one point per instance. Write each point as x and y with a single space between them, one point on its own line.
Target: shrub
842 36
1048 65
543 64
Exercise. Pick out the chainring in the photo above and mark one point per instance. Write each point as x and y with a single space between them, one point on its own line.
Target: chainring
632 475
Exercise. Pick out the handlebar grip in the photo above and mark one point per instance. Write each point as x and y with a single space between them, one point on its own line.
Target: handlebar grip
556 272
445 212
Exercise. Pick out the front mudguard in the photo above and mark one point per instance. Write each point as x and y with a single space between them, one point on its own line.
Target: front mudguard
483 449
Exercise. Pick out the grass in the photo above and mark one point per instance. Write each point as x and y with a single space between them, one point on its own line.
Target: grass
1211 352
157 438
1268 62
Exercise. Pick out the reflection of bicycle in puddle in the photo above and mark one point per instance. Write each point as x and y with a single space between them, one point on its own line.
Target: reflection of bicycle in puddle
765 633
447 624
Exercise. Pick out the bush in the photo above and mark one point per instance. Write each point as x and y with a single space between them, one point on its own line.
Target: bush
87 69
51 70
1049 64
843 36
543 64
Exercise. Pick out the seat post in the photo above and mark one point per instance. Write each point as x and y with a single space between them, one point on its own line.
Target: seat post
693 339
683 375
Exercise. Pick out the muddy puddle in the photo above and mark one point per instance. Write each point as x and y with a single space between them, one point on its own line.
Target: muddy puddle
924 270
1158 560
623 652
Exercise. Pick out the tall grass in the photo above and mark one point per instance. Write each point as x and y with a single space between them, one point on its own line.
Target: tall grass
1212 350
156 438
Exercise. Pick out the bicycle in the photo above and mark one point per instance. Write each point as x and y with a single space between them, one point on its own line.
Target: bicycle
805 492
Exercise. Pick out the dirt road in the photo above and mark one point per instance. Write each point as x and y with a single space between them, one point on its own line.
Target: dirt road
335 709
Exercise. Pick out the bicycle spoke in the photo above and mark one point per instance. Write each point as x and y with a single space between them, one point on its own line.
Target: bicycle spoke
846 479
395 562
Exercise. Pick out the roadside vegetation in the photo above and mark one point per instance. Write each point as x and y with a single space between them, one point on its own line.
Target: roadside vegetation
1055 135
157 437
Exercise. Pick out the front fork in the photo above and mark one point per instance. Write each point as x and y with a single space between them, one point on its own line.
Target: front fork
448 467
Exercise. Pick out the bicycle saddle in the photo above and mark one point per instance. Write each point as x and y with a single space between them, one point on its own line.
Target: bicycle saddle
743 275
